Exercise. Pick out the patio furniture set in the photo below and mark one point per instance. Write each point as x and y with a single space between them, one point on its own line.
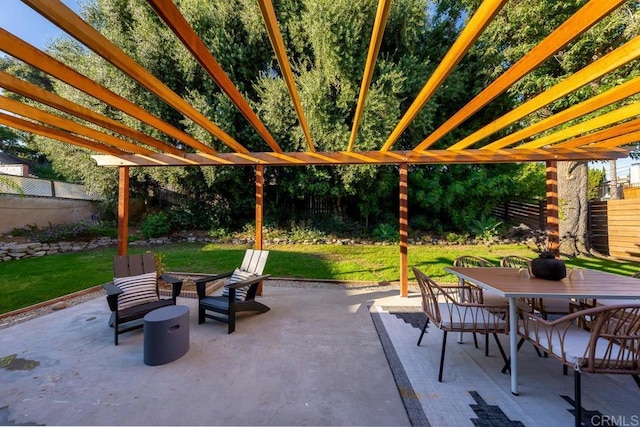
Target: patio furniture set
590 335
134 295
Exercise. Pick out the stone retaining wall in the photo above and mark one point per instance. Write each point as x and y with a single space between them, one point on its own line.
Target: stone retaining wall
11 251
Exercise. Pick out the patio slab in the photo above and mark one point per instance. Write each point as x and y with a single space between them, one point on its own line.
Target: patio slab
314 359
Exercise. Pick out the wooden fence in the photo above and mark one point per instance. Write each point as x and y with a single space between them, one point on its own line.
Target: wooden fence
614 225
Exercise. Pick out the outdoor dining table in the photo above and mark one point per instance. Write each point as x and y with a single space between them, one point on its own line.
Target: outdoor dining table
511 283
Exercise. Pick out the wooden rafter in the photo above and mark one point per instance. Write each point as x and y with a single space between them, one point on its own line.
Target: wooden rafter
269 16
627 138
602 135
38 115
374 47
172 17
59 14
40 60
615 116
612 61
57 134
483 16
582 20
617 93
371 157
29 90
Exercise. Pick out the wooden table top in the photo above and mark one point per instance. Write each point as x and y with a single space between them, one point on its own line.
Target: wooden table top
508 282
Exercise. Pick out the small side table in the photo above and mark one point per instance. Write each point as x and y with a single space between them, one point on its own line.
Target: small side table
166 334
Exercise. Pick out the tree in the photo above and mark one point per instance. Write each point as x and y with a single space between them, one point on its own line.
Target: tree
596 178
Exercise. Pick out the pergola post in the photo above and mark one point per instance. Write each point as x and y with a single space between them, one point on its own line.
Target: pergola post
259 210
404 232
553 224
123 209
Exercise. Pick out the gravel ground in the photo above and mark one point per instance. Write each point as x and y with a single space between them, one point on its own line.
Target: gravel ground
8 321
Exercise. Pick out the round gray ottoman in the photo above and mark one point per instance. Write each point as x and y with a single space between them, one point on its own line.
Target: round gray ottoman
166 334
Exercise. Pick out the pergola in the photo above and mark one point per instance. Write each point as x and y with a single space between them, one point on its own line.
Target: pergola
601 137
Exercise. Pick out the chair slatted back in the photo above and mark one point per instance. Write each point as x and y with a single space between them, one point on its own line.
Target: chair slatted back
619 327
254 261
133 265
429 299
471 261
515 261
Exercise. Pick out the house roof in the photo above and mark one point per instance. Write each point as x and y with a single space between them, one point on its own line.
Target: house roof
603 137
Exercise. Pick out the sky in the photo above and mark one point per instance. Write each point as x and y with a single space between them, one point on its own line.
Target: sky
24 22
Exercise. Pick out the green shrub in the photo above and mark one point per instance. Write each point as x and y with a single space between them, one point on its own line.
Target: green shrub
386 233
304 231
219 233
456 238
80 231
485 228
155 225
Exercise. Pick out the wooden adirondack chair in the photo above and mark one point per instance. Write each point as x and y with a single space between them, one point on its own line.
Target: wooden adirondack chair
134 291
239 292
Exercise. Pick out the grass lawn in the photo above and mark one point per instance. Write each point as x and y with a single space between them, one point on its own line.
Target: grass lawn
29 281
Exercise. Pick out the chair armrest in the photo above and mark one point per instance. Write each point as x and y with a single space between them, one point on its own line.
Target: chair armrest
176 285
211 278
112 295
200 283
111 289
252 283
170 279
472 294
248 282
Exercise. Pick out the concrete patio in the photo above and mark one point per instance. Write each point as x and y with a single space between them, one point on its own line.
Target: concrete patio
314 359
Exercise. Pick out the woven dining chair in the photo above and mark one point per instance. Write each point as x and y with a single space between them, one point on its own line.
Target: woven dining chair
606 342
483 296
445 311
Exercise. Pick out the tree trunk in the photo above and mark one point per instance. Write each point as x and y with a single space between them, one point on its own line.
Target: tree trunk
614 194
573 207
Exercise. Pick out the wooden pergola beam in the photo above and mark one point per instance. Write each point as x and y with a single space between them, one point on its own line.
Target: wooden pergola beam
49 65
582 20
374 48
628 138
53 133
617 93
13 84
370 157
169 13
602 135
483 16
271 22
612 61
615 116
60 15
38 115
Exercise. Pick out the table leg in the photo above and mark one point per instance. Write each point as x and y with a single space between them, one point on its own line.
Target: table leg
513 344
460 283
